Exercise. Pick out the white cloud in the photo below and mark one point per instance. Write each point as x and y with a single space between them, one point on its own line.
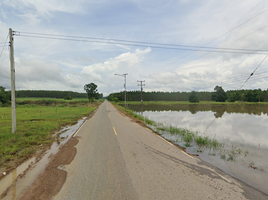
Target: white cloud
71 64
31 18
120 64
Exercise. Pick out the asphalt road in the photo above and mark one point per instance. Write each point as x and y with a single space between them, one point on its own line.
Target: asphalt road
119 159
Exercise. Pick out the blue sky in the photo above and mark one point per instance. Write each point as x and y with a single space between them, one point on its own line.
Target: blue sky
45 64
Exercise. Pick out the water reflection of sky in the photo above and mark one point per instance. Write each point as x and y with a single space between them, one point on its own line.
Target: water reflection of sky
250 129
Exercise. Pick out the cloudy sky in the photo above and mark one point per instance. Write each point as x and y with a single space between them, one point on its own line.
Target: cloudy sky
61 63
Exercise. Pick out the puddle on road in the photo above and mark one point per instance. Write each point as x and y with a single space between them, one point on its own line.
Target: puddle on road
24 175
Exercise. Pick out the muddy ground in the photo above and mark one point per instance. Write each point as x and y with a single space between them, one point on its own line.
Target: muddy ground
50 181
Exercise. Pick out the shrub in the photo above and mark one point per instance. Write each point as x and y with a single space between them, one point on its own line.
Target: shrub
68 98
193 97
115 99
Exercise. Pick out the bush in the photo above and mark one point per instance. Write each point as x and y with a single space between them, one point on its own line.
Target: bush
115 99
68 98
193 97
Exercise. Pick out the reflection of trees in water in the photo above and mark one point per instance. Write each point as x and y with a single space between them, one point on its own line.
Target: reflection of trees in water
193 108
218 109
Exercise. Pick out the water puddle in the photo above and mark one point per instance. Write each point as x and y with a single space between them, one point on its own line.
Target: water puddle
24 175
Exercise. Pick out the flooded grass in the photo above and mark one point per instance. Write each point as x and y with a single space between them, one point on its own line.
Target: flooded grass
187 138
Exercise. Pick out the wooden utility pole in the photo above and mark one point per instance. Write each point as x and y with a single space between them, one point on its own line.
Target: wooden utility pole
13 100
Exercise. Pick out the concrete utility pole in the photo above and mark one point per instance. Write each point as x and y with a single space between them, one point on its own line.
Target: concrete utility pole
125 86
141 84
13 98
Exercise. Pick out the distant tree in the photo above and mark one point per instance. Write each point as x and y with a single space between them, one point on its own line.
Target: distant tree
193 97
91 90
68 97
4 97
248 96
219 94
258 95
234 97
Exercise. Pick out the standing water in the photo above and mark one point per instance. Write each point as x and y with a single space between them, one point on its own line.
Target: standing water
242 128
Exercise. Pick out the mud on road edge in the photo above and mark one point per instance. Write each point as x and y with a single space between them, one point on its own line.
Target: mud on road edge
39 155
51 180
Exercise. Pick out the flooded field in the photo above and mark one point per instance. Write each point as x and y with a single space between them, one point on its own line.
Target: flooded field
241 128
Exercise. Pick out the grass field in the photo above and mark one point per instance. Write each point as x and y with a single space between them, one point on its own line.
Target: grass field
35 127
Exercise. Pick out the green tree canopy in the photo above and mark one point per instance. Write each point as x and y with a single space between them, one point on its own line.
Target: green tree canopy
219 94
234 97
193 97
91 90
4 97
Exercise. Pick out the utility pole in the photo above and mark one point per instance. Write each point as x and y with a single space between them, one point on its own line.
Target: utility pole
141 84
125 86
13 98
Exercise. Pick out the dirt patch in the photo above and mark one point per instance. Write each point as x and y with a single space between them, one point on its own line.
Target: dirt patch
50 181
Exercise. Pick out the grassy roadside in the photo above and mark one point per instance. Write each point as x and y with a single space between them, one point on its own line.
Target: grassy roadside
35 128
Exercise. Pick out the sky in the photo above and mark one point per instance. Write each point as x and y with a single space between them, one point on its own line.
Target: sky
54 64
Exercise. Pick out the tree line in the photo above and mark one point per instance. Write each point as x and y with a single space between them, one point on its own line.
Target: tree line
218 95
49 94
91 93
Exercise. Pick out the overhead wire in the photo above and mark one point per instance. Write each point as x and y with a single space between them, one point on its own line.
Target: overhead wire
143 44
243 77
254 71
236 40
4 46
219 47
133 41
238 26
217 39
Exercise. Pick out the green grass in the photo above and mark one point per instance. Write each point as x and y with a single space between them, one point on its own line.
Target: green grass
35 127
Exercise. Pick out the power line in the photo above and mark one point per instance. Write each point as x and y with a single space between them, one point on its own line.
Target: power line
238 26
132 41
218 38
3 46
245 36
143 44
257 66
254 71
